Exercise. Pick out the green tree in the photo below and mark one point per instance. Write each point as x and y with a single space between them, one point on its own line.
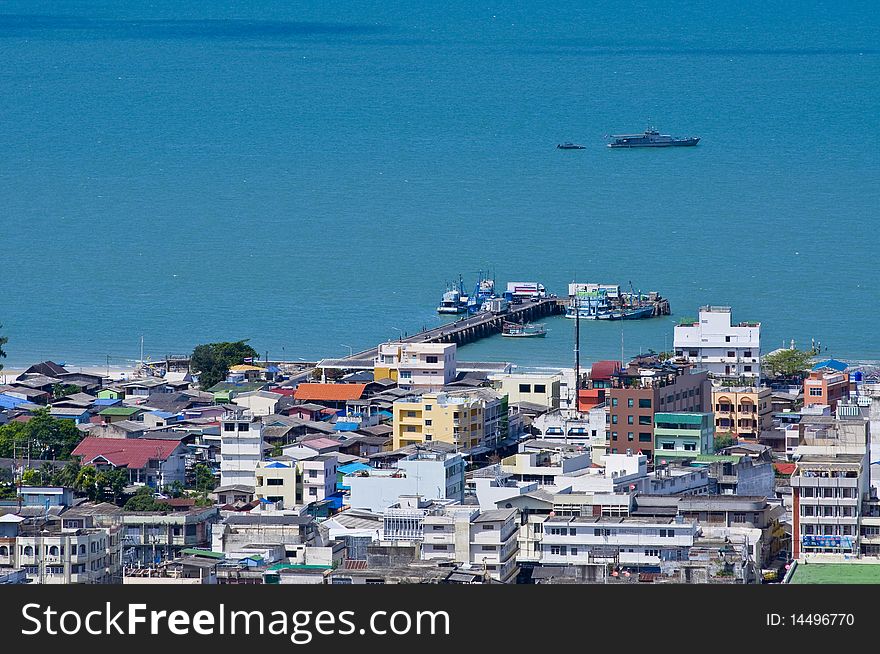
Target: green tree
143 500
724 439
213 360
8 491
204 478
13 439
51 438
111 484
174 489
3 341
86 482
67 475
31 477
787 363
63 390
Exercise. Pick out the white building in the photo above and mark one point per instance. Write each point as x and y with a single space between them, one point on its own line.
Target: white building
259 403
241 448
427 366
431 475
318 477
622 541
713 343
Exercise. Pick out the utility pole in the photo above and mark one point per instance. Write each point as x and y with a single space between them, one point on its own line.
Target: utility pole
577 351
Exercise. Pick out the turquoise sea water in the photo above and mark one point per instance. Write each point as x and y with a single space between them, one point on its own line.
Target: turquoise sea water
309 175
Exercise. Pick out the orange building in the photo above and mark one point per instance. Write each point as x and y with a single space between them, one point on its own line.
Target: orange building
826 386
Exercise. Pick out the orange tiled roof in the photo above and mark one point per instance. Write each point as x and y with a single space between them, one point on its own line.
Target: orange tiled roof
329 392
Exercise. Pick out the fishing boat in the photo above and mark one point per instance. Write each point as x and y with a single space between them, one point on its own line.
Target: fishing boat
651 138
571 146
454 300
600 304
523 330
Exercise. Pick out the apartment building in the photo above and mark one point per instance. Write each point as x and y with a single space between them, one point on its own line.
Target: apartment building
426 366
714 344
318 476
828 387
429 474
534 388
458 419
683 434
831 485
641 543
645 387
65 551
241 448
743 411
279 482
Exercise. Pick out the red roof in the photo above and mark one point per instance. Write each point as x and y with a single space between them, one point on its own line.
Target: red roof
784 468
603 370
329 392
125 452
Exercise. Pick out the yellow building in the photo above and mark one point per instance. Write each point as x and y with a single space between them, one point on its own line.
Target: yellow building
742 411
279 481
439 417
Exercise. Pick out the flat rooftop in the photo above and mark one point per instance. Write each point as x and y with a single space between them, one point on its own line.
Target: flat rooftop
836 573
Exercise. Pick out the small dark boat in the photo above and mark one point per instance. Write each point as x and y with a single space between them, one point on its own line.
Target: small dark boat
571 146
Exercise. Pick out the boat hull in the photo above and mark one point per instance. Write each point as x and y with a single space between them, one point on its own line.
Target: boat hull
538 335
670 144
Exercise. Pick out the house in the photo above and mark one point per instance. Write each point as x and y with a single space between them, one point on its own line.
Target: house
245 372
318 477
116 413
715 345
260 403
47 368
79 415
153 462
32 395
310 411
427 366
144 387
279 482
111 393
233 494
225 391
329 395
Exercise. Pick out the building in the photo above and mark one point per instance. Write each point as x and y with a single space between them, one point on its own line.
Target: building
830 485
716 345
428 474
455 419
641 543
318 475
683 434
743 411
427 366
61 550
826 386
259 403
540 389
329 395
279 482
645 387
241 448
154 462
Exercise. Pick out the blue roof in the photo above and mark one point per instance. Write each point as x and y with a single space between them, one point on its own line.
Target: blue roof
9 402
387 414
349 468
346 426
106 402
276 464
162 414
273 369
834 364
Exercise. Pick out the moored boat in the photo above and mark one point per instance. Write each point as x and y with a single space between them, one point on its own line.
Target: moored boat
523 330
651 138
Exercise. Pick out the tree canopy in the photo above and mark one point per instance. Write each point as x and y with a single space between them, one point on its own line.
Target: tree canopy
787 363
212 361
48 437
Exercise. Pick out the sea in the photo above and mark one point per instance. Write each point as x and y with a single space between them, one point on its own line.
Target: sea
312 175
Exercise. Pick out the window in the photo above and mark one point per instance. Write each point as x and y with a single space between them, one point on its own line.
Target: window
614 435
727 339
613 401
645 403
488 548
690 447
228 426
614 419
692 353
731 353
630 436
630 402
440 548
748 368
747 353
629 420
815 392
644 420
313 474
574 551
645 437
274 482
430 359
313 492
667 446
525 388
540 388
428 423
488 527
243 426
406 374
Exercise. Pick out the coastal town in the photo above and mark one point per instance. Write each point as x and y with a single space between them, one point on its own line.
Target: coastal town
716 462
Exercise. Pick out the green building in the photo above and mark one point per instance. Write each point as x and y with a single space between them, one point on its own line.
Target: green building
684 434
